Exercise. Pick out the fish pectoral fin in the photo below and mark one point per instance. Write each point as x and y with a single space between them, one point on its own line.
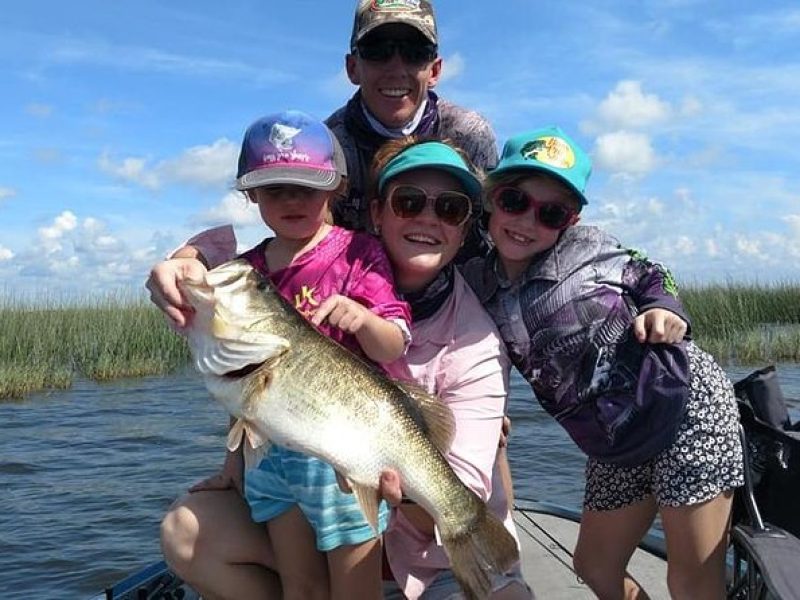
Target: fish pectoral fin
254 455
235 435
368 499
254 441
437 417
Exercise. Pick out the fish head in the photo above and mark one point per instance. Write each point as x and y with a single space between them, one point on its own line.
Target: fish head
231 328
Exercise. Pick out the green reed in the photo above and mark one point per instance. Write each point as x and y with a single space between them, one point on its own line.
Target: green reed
47 343
746 323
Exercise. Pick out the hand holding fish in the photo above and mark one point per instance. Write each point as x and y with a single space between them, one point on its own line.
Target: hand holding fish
164 290
659 326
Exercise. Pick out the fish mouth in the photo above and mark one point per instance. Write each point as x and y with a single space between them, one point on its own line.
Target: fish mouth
244 371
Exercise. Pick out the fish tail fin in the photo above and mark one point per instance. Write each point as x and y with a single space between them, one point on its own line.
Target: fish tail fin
484 547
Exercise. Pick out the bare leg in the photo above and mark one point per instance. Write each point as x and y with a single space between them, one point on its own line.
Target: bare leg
505 474
355 571
210 541
606 542
303 568
697 537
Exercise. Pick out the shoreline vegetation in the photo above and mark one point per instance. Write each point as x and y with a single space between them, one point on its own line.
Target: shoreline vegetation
45 345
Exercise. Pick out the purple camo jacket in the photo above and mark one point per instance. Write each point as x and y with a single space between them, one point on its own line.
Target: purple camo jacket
567 326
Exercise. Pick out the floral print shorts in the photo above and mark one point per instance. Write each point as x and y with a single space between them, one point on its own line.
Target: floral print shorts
705 459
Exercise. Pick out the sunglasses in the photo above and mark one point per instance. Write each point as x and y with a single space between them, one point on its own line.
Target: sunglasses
552 215
382 50
409 201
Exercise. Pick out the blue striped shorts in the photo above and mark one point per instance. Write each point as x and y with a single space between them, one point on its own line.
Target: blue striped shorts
285 478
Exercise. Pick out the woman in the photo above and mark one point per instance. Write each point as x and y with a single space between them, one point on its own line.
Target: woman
425 195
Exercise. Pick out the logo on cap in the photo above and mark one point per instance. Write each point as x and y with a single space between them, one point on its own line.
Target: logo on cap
394 5
282 136
552 151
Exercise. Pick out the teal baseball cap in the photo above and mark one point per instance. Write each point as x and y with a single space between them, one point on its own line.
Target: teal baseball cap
549 150
432 155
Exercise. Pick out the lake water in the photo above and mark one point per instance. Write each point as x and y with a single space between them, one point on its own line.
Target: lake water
86 474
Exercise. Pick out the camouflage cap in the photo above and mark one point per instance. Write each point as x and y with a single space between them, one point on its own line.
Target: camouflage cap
371 14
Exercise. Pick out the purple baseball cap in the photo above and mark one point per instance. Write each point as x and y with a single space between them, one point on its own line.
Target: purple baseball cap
292 148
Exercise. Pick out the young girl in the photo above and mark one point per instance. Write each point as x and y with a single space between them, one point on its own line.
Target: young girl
598 332
292 167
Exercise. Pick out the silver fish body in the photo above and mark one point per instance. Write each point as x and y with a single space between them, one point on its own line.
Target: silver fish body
287 384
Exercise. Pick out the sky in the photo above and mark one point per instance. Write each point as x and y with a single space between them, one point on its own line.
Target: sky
120 121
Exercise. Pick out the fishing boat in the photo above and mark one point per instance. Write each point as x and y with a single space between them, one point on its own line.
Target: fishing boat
764 557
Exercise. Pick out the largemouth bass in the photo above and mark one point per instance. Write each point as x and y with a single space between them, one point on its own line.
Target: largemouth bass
286 383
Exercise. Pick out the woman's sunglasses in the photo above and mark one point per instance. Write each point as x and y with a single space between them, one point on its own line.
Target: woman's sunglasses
382 50
409 201
552 215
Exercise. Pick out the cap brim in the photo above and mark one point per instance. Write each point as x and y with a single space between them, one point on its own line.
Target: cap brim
314 178
398 21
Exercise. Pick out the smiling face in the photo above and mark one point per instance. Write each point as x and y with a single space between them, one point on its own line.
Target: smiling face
393 90
520 237
421 246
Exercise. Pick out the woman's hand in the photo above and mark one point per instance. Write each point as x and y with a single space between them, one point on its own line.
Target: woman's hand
659 326
164 290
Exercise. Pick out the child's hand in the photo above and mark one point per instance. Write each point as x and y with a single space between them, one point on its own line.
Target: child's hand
659 326
342 312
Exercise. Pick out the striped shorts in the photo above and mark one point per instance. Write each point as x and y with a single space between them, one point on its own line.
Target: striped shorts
285 478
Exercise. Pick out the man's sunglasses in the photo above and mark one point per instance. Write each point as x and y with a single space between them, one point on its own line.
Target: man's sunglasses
409 201
382 50
552 215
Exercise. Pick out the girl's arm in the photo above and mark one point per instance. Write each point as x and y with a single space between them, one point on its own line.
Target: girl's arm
381 340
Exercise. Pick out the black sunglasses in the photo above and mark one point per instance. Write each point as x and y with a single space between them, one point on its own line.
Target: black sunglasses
514 201
409 201
411 51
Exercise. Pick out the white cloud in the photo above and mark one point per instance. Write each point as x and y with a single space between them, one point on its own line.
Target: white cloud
208 165
131 170
234 208
627 107
452 67
203 165
5 254
6 193
625 152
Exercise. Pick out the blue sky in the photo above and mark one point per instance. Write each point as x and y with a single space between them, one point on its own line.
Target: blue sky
120 121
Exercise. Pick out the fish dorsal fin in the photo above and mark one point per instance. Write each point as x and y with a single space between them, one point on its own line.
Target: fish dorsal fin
437 418
368 499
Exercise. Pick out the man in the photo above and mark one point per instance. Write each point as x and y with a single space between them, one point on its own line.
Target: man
394 61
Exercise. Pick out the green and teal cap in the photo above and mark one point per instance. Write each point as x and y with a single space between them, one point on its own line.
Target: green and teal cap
549 150
431 155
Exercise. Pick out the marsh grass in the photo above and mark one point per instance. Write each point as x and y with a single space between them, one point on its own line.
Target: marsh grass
746 323
47 343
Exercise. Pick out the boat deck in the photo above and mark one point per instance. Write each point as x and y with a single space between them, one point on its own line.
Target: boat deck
547 542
